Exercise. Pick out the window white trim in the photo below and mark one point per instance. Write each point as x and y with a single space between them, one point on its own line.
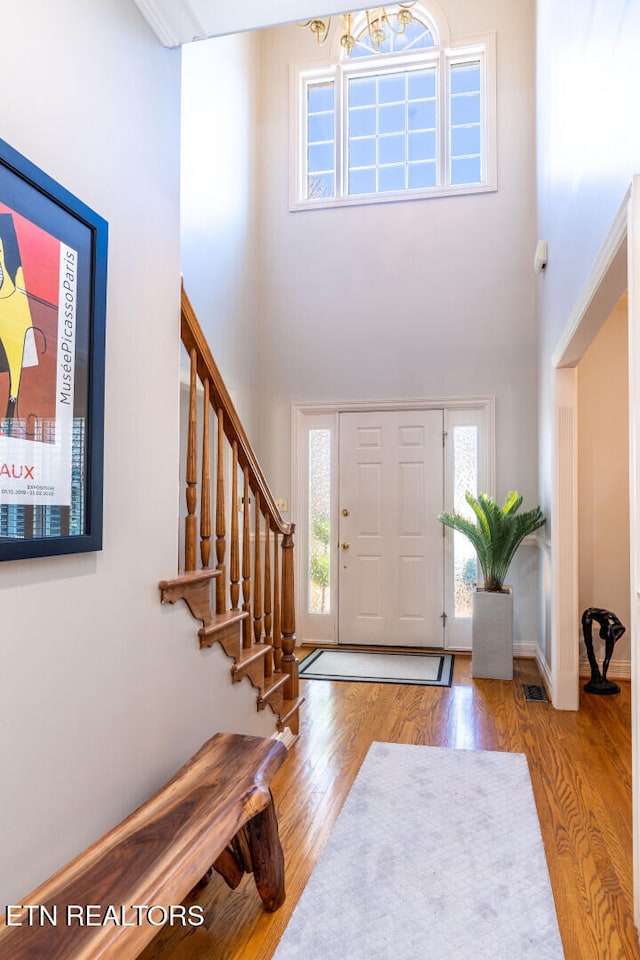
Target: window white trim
482 48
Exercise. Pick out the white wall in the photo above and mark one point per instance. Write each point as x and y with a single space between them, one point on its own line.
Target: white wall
428 298
588 148
603 482
588 141
103 692
219 205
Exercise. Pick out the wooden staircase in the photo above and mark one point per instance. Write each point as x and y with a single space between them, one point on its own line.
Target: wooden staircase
255 562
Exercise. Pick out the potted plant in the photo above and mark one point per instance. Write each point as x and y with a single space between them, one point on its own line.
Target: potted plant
495 536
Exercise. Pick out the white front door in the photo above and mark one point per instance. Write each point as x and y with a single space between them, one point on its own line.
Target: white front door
391 545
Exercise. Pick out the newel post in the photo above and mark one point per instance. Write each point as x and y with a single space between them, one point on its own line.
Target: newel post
289 663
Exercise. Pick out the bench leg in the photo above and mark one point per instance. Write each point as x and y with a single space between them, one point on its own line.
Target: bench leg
229 868
267 857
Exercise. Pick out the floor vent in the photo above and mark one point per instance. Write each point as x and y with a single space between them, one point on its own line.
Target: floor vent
535 691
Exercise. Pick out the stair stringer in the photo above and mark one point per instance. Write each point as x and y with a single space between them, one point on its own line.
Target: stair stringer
225 631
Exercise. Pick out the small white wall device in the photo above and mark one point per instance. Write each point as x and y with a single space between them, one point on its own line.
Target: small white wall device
541 256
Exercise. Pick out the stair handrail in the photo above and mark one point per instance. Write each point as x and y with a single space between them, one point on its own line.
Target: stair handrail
256 576
193 338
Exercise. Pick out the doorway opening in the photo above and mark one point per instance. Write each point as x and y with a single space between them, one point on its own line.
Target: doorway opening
602 292
603 484
617 269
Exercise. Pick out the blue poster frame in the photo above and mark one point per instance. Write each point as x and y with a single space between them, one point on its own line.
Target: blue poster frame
34 195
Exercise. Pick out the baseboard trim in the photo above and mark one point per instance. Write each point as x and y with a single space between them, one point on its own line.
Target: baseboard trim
618 669
545 672
287 737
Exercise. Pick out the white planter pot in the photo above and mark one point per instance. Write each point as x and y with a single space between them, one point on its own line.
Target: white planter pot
492 634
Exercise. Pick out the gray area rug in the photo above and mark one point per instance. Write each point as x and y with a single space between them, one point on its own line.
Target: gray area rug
428 669
436 855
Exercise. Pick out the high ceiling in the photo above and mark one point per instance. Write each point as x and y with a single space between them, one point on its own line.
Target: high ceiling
180 21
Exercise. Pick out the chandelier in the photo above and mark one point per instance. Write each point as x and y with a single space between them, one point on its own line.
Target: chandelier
379 21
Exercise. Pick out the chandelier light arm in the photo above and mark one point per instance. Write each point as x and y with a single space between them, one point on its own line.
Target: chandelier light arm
377 20
403 17
319 28
347 40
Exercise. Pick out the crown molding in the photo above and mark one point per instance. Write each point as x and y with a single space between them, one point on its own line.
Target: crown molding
176 22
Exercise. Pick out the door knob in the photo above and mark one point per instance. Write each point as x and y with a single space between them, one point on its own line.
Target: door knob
345 545
345 512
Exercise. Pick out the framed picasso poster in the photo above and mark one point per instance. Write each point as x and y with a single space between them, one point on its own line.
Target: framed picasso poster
53 269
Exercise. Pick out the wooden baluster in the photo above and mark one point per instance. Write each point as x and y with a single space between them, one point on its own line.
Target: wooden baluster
272 596
205 485
234 589
191 521
289 662
221 529
246 562
268 669
257 574
277 632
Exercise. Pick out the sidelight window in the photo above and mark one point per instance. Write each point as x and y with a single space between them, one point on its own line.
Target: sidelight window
465 479
319 517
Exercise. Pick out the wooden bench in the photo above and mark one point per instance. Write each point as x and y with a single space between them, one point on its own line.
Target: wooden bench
216 812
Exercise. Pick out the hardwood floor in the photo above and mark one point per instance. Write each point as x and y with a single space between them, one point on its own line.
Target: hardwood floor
580 766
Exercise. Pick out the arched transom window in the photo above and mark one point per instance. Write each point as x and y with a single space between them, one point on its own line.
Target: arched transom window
393 34
397 111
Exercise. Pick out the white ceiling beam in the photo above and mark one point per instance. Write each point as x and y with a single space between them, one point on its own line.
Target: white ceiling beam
181 21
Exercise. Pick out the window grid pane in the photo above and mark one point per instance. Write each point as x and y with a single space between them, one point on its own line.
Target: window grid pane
416 36
465 134
439 100
392 131
321 145
319 532
465 479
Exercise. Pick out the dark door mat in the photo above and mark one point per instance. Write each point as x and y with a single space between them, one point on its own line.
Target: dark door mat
535 691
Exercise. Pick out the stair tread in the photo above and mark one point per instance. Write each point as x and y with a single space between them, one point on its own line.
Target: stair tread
250 655
289 708
272 684
220 620
190 577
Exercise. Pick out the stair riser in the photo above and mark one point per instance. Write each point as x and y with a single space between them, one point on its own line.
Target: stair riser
273 695
229 637
194 589
291 718
253 670
275 701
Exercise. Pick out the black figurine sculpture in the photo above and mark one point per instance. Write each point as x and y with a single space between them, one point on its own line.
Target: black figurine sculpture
610 630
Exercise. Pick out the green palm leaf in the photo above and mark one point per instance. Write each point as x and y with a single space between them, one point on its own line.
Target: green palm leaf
496 534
